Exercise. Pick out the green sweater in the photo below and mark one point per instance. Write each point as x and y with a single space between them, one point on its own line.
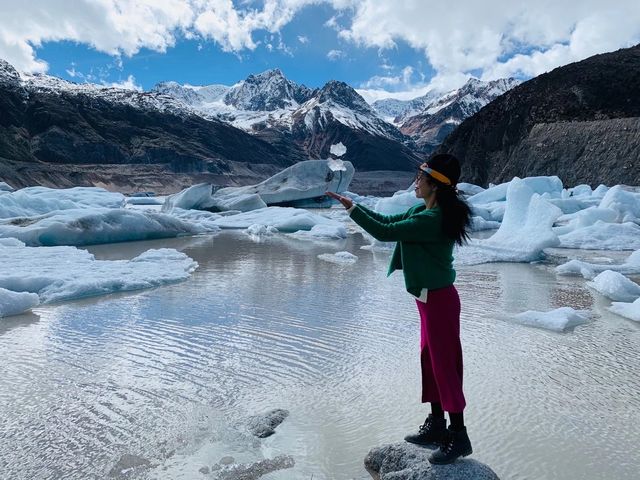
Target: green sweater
423 252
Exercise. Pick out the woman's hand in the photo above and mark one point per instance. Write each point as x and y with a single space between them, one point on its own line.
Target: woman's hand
345 201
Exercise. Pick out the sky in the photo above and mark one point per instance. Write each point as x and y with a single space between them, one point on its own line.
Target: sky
383 48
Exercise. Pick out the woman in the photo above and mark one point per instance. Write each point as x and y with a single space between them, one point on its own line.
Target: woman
426 234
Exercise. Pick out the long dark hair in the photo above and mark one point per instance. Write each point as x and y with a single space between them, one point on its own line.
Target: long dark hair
456 213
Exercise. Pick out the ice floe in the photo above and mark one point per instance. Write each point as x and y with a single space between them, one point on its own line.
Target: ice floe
98 225
558 320
615 286
589 270
343 258
64 273
627 310
525 232
603 236
13 303
285 219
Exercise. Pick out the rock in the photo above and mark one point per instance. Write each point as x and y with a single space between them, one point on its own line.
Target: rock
256 470
405 461
228 460
264 425
127 463
204 470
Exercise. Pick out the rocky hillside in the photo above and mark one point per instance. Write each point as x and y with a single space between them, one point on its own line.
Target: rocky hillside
48 124
580 122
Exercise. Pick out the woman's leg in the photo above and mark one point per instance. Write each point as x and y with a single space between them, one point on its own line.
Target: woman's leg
429 385
442 332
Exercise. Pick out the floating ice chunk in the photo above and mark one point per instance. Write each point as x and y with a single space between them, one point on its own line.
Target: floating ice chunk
243 202
400 202
571 205
343 258
479 223
469 188
627 310
64 273
626 204
338 149
96 225
579 191
558 320
525 231
261 230
585 218
590 270
13 303
336 165
31 201
197 196
285 219
301 181
603 236
499 192
322 231
615 286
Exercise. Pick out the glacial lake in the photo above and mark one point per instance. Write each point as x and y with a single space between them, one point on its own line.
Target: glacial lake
167 374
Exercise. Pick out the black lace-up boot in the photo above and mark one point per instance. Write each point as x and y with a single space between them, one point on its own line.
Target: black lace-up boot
456 444
432 432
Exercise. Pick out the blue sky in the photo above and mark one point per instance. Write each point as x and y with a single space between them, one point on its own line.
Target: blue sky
383 47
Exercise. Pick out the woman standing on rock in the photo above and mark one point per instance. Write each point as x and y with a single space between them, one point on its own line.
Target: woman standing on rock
425 236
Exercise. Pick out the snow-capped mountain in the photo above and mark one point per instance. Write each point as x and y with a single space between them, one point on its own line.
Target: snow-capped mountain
441 115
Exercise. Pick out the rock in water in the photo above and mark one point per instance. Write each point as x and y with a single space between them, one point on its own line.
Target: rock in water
256 470
405 461
264 425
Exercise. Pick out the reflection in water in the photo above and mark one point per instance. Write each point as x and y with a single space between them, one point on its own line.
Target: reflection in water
166 374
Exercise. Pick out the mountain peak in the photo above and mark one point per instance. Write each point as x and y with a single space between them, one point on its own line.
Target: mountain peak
267 91
343 94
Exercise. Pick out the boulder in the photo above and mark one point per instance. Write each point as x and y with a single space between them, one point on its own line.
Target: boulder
405 461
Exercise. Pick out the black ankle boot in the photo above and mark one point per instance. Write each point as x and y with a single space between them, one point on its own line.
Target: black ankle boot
432 432
456 444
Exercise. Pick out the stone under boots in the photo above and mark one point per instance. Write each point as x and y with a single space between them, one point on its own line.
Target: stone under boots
455 444
432 432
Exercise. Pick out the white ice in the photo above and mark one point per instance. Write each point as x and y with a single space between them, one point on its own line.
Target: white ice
64 273
625 204
603 236
525 230
499 192
194 197
589 270
5 187
558 320
98 225
615 286
343 258
285 219
13 303
322 231
469 188
261 230
145 201
627 310
31 201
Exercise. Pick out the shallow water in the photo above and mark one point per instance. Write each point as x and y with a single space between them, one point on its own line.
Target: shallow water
165 373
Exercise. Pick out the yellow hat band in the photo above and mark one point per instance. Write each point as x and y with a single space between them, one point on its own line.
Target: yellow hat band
437 175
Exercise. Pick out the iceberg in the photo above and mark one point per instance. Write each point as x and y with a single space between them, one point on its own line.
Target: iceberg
498 193
33 201
342 258
302 181
13 303
526 230
64 273
558 320
627 310
90 226
590 270
603 236
625 204
615 286
285 219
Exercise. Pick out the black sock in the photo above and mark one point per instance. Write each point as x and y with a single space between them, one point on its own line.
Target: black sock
457 421
436 410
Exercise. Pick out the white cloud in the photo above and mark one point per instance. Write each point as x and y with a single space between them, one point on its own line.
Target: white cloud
496 38
128 84
335 55
303 39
